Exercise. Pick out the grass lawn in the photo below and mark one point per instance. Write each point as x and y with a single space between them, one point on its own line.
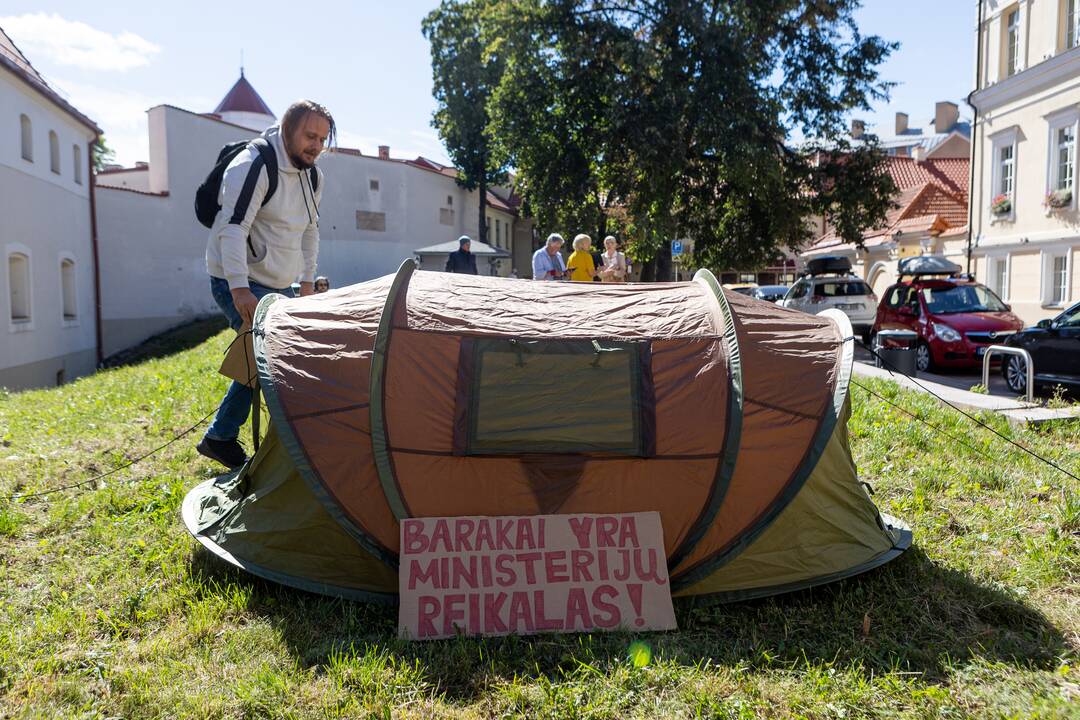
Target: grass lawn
109 609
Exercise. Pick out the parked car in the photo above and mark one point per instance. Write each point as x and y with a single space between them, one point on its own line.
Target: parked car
846 293
770 293
955 318
1054 346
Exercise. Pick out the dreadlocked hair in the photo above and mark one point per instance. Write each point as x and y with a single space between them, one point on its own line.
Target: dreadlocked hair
301 109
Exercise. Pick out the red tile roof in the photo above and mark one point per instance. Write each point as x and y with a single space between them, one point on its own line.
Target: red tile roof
933 198
243 98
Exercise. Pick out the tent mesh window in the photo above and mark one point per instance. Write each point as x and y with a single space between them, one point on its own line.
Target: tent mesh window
518 396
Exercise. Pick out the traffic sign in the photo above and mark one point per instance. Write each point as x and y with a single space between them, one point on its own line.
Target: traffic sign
676 248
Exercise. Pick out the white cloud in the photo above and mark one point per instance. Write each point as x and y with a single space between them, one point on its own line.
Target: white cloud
76 44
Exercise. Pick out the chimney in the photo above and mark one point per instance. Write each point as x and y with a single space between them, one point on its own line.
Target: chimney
918 153
901 123
858 127
384 151
945 116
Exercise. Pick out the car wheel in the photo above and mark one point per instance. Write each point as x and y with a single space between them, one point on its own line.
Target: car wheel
1014 369
867 336
923 360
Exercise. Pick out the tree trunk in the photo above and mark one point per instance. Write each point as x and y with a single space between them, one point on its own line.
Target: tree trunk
664 270
648 270
481 225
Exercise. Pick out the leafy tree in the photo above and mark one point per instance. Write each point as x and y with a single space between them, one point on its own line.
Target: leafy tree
466 69
103 154
677 113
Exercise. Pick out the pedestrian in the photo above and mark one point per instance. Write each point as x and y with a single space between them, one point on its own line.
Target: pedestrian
461 260
256 249
322 284
580 262
612 262
547 262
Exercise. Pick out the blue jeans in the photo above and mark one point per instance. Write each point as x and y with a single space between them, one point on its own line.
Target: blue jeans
235 406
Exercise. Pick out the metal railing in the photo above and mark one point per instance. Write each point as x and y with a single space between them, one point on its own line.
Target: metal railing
1006 350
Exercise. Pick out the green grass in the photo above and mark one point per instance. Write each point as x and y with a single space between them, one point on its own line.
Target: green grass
108 608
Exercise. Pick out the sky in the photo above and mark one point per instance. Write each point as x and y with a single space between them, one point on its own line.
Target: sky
366 60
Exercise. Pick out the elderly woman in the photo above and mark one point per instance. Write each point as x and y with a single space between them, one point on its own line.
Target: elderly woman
547 262
613 262
580 263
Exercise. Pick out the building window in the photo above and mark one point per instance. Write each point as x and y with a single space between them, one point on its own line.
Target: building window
373 185
498 233
1012 43
54 152
67 285
1006 170
1056 279
19 287
747 277
1072 33
449 200
76 161
1064 156
998 276
27 138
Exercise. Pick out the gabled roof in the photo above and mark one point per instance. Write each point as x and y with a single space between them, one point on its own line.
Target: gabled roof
243 98
14 61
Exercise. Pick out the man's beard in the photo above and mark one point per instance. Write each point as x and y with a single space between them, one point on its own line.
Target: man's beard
299 162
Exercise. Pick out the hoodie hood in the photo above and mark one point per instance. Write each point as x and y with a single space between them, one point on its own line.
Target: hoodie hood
274 136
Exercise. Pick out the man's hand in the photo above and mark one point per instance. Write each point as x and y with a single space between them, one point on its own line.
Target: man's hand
245 302
306 289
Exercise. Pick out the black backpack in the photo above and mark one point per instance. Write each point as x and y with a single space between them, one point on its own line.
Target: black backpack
206 197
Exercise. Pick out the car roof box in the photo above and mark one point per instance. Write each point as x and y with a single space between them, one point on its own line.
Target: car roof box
927 265
829 264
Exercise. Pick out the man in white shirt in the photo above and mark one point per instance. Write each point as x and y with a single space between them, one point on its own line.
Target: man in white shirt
547 262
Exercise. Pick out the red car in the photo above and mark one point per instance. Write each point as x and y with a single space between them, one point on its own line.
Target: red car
955 318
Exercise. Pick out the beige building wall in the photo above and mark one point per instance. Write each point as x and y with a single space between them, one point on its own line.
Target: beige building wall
1028 105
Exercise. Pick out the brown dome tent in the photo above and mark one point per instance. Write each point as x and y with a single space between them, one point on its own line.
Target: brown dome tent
430 394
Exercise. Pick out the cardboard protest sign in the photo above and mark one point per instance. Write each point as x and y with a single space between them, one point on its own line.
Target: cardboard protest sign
532 574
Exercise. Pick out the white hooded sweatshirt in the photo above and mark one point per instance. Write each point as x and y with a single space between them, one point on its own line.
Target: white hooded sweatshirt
272 244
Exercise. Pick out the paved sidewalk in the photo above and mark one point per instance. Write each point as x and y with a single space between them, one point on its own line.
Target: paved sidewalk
1017 411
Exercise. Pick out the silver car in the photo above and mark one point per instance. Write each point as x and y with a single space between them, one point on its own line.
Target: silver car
846 293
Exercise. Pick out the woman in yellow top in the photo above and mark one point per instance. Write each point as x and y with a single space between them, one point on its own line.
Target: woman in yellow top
580 264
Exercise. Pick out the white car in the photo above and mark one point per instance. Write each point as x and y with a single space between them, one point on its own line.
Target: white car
846 293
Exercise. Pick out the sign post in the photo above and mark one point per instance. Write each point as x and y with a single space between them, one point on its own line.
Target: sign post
519 575
676 253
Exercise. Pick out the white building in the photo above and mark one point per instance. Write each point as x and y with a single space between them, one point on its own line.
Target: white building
47 297
1025 219
375 211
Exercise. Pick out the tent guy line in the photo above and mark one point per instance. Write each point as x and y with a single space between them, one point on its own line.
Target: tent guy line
893 369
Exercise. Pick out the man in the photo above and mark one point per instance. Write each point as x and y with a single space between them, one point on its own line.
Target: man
547 262
255 249
461 260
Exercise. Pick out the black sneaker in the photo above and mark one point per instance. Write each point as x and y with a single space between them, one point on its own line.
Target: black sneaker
229 453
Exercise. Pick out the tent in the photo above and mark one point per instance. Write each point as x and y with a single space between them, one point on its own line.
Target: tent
429 394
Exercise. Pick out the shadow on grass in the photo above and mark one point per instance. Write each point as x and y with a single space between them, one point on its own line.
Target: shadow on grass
169 342
922 618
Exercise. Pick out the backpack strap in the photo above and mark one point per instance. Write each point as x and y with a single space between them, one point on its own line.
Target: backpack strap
270 158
